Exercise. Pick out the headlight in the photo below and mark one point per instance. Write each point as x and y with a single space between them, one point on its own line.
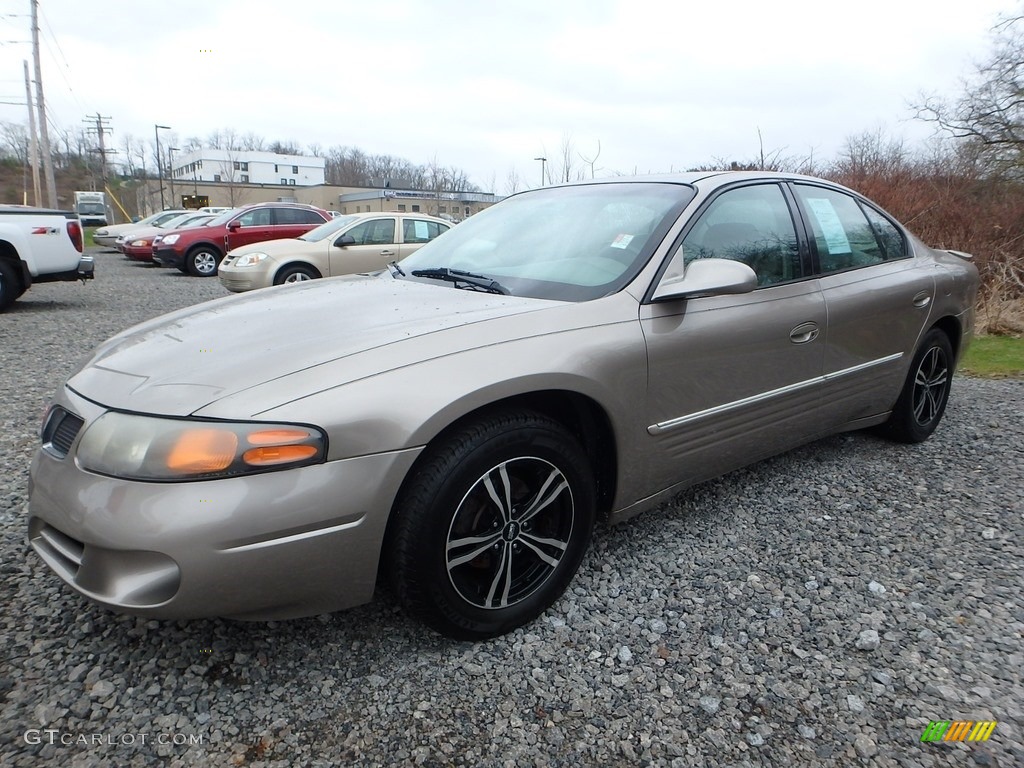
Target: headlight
154 449
250 259
170 239
138 243
100 232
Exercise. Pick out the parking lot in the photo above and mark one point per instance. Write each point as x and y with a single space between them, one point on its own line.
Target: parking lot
820 607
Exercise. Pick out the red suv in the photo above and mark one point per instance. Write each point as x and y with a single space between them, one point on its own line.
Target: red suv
199 251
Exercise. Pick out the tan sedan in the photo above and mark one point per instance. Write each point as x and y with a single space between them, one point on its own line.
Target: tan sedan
346 245
457 422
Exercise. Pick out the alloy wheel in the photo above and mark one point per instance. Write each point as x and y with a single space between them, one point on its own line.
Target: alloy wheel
930 385
509 533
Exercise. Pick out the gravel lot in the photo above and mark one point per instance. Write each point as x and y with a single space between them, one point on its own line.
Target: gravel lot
817 608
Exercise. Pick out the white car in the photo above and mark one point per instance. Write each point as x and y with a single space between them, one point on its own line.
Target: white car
107 236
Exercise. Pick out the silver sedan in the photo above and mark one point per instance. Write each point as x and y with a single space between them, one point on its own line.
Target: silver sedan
457 422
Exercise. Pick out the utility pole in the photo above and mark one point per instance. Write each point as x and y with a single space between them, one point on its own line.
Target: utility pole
33 147
159 162
44 136
100 130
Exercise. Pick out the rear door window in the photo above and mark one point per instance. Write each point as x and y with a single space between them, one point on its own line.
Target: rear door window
419 231
843 235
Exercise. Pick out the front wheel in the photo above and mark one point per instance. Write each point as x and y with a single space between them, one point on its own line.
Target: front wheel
925 392
202 261
295 273
491 528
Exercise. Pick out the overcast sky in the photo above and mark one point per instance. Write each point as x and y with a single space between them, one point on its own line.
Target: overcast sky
489 86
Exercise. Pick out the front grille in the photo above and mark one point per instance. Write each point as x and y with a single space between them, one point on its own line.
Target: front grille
59 431
235 284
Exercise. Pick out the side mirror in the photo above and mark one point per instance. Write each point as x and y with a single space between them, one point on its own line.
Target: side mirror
708 277
234 226
344 240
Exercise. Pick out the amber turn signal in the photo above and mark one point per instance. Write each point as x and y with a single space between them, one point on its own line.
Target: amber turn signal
278 454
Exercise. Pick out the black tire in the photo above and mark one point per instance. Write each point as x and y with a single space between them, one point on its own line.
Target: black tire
295 273
925 393
203 261
511 565
11 286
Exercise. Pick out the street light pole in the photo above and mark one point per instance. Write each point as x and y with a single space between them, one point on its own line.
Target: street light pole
543 161
170 163
159 163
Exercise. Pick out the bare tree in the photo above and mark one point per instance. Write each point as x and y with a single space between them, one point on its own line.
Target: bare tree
285 148
590 161
252 142
512 182
990 109
15 141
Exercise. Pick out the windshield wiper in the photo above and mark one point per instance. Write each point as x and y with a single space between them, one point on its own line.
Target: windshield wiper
393 266
468 280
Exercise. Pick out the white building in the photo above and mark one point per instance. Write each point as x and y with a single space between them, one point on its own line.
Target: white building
243 167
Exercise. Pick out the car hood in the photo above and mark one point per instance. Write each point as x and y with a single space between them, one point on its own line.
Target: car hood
178 363
136 232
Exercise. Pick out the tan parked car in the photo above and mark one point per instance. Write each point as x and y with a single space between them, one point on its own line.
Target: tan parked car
345 245
457 422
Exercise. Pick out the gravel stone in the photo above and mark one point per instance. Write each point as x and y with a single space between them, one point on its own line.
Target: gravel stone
722 669
868 640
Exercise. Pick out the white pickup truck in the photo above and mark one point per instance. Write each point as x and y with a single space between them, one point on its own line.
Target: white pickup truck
38 245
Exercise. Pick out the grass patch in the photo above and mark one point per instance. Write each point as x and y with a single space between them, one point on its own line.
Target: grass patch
88 236
994 357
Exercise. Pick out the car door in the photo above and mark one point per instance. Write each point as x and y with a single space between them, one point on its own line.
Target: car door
418 232
374 245
252 226
733 378
877 296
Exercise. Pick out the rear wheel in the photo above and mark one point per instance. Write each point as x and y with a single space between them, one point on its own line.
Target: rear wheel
10 285
492 527
296 273
925 392
202 261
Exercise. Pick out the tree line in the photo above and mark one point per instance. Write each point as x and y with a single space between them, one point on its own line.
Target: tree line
136 158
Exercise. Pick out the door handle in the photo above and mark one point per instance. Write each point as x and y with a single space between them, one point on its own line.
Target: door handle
387 252
922 299
804 333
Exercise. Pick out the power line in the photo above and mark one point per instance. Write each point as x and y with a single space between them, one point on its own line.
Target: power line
63 58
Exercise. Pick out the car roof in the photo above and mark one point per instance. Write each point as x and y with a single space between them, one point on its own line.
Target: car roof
716 178
411 214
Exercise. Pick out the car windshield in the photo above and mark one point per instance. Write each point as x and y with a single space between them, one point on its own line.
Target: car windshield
159 219
572 243
178 221
195 221
328 228
223 218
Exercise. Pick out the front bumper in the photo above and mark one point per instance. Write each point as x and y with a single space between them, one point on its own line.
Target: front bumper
138 254
270 546
169 258
249 278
